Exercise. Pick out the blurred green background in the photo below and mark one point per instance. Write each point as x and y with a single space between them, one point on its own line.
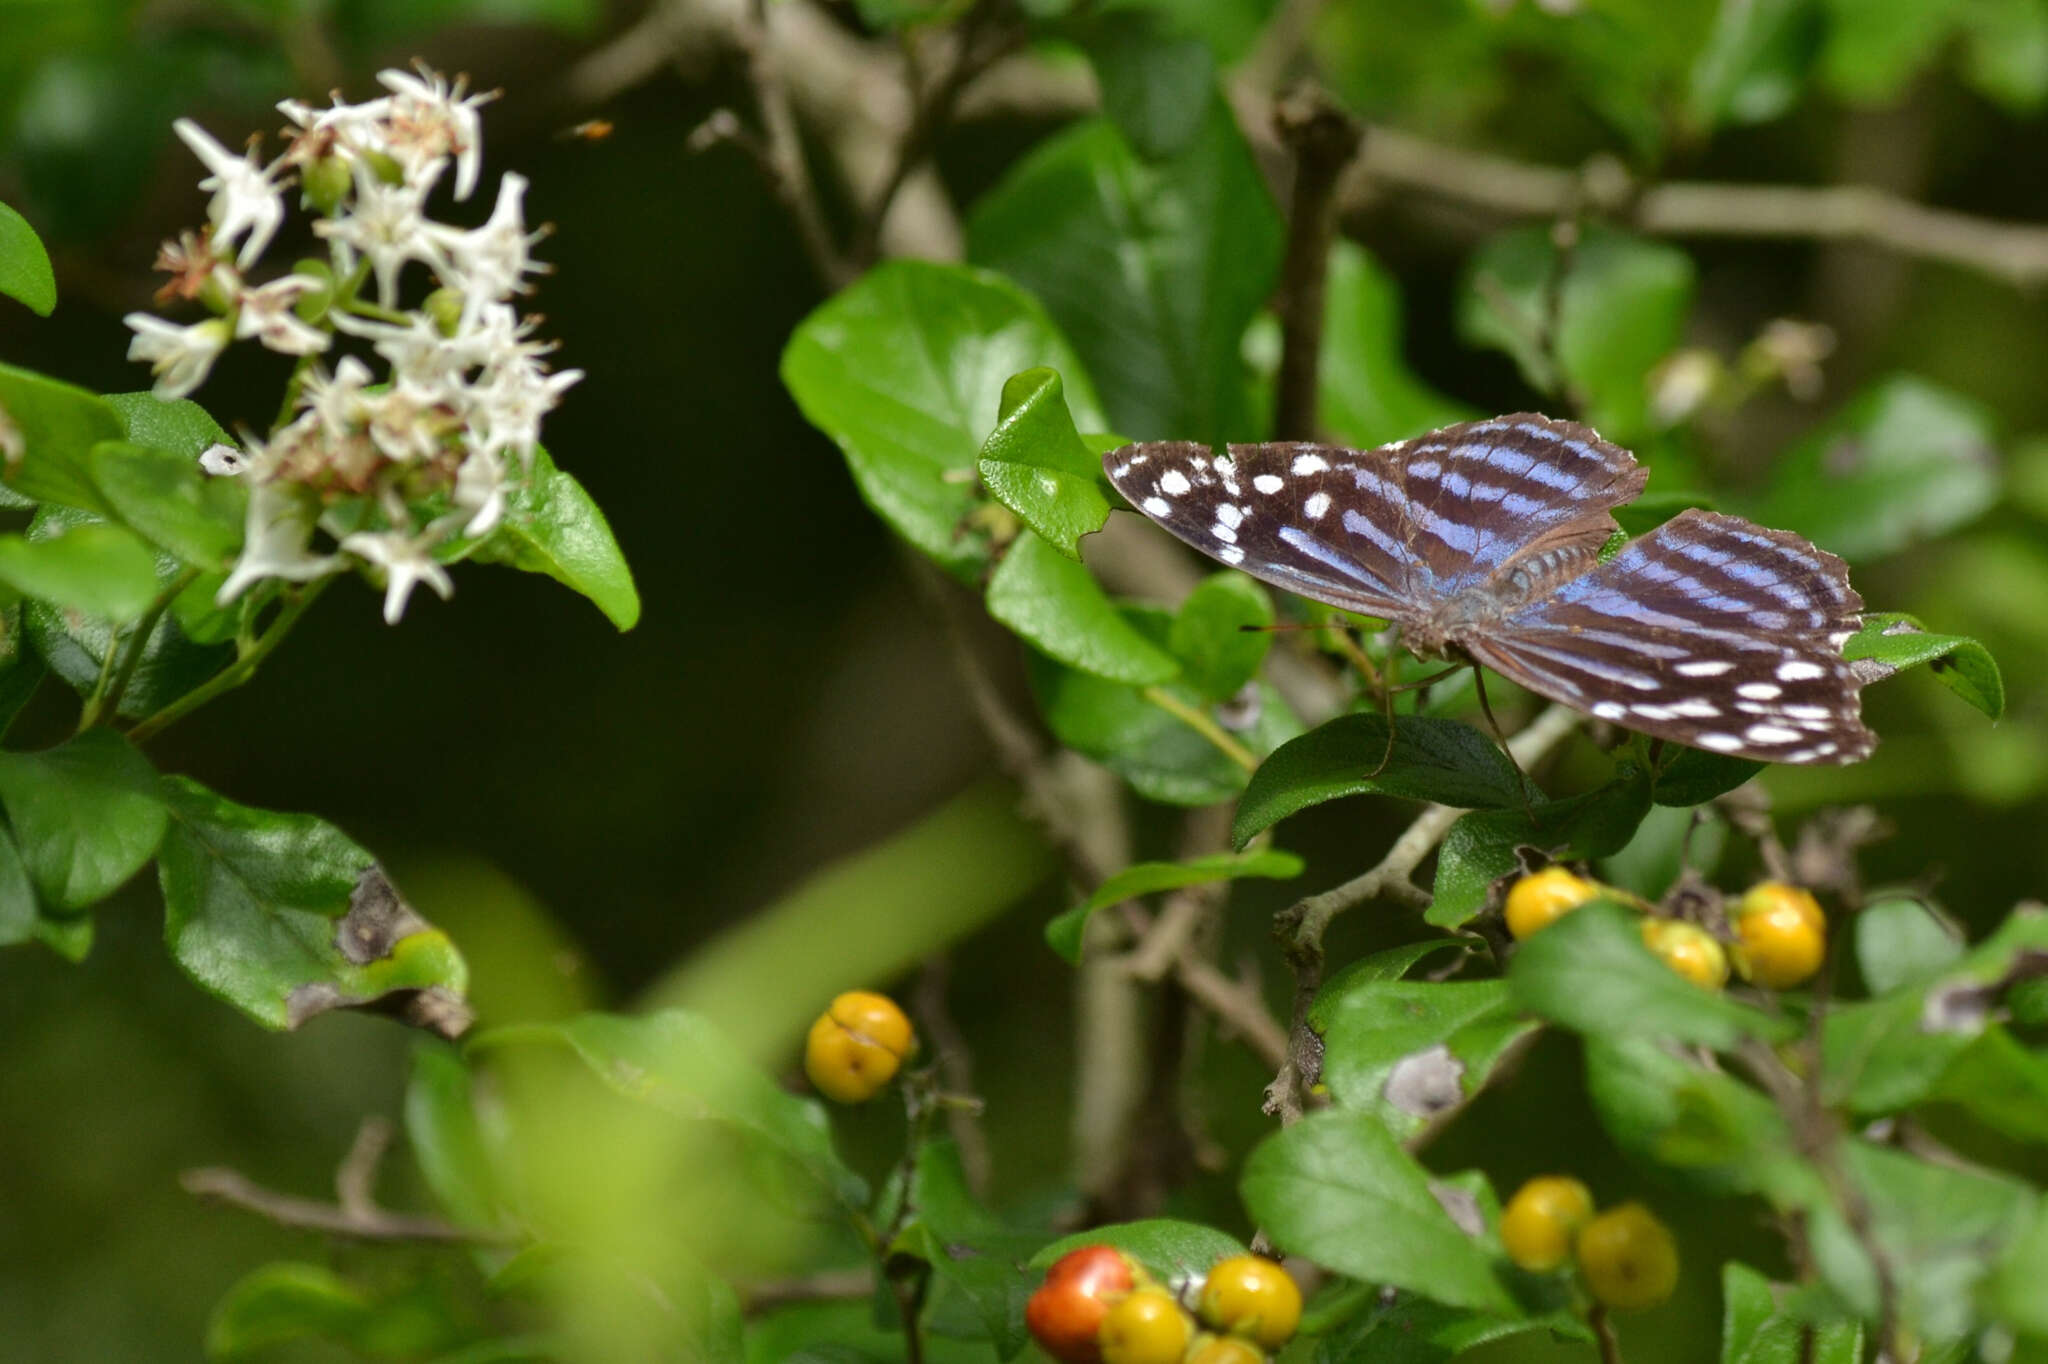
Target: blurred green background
584 810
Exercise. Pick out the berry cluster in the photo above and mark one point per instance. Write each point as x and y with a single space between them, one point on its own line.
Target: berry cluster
1099 1306
1779 932
1625 1257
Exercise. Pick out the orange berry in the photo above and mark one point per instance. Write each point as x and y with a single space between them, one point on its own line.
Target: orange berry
1689 950
1628 1257
1148 1327
1540 1221
1066 1314
1250 1296
1543 897
856 1046
1781 936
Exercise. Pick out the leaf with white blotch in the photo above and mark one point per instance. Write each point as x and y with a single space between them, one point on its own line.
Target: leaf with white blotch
1890 642
286 917
1410 1051
1038 466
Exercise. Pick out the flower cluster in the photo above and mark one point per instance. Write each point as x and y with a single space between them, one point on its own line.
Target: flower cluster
393 458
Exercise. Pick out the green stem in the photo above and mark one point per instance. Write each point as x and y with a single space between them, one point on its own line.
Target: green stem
238 672
1200 722
95 704
292 388
107 703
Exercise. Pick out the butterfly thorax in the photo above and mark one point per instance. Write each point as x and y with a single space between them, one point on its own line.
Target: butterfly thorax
1533 574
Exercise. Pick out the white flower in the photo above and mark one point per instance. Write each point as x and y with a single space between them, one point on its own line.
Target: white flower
180 357
509 406
350 129
406 561
338 401
276 538
267 315
244 199
480 489
429 118
490 263
222 461
430 366
385 224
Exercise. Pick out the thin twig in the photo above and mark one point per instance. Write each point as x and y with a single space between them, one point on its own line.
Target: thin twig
1323 139
238 1190
955 1065
1603 1332
830 1285
355 1179
792 177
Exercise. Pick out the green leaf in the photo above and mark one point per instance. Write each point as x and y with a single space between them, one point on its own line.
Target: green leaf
679 1064
18 919
968 1247
904 370
1899 943
168 499
1693 776
1890 642
446 1140
1756 1329
1447 761
1591 972
1480 847
182 427
74 644
1159 755
1874 48
1663 1107
1365 393
1621 309
85 814
100 570
1156 82
1754 65
283 1302
1902 462
1409 1052
58 426
1055 604
1388 964
1220 636
1669 841
1338 1188
1154 269
285 917
25 273
1175 1252
551 526
1414 1330
2014 1293
1037 465
1149 878
2000 1082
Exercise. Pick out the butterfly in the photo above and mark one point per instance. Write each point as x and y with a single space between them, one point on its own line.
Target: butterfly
1481 544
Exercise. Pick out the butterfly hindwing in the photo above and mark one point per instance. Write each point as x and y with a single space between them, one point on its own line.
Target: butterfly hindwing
1709 631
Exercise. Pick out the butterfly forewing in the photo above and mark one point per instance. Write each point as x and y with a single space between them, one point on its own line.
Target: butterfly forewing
1711 631
1386 532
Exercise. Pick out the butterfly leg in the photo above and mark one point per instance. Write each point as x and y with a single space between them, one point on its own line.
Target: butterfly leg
1522 786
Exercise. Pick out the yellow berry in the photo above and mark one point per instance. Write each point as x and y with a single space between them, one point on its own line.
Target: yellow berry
1250 1296
1225 1350
1540 1221
1781 935
1148 1327
1628 1257
1541 898
1689 950
856 1046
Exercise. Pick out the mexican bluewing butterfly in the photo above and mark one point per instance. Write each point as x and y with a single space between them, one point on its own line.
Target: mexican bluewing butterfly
1481 543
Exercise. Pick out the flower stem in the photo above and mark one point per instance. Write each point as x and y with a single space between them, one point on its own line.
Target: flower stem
113 683
238 672
1200 722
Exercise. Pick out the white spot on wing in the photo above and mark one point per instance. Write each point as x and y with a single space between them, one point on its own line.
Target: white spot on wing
1173 483
1230 554
1230 514
1223 533
1268 483
1770 734
1317 504
1706 667
1157 506
1797 670
1720 743
1759 691
1304 465
1609 710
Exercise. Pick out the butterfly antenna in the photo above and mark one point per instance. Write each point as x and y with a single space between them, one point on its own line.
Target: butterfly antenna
1386 688
1522 783
1387 710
